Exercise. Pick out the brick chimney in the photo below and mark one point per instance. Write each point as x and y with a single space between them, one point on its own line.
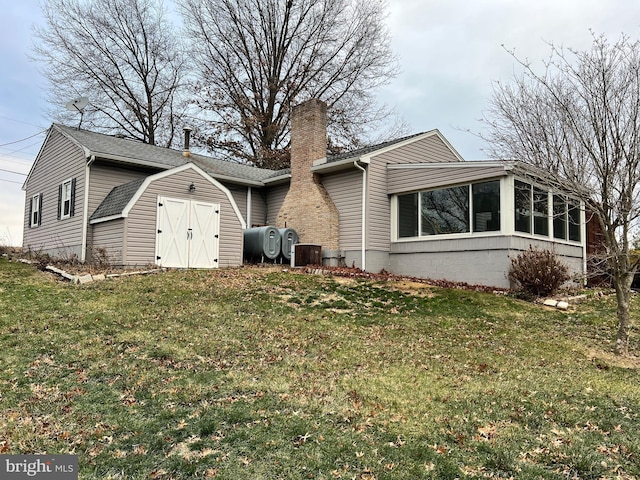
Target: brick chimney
308 208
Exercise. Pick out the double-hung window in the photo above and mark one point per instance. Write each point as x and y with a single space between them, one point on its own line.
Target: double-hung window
35 216
66 199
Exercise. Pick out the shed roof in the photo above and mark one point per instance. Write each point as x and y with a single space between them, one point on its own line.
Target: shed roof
117 199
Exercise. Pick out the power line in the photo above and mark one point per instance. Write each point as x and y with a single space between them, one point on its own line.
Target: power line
12 171
10 181
23 139
19 149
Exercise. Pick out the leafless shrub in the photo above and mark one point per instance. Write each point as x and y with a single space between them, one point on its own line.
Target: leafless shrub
537 272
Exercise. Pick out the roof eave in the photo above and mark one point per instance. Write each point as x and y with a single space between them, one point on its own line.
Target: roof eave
106 219
276 180
344 164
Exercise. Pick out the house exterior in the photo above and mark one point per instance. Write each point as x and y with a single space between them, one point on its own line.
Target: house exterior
411 206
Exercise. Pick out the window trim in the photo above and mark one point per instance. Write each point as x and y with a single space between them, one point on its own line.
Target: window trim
35 208
551 193
396 238
507 214
66 189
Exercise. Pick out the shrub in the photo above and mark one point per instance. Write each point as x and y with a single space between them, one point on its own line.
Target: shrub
537 272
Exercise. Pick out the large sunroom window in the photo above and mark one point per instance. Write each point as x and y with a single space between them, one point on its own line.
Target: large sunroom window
445 211
463 209
566 218
534 215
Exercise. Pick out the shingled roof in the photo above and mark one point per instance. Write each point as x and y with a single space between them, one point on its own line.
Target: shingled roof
127 150
369 149
117 199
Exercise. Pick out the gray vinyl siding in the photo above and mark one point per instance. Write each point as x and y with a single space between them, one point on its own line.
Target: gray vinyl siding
140 225
110 236
103 178
275 199
239 194
425 150
258 207
345 189
59 160
411 179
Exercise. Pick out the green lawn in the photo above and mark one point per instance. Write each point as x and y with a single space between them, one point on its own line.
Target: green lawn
262 373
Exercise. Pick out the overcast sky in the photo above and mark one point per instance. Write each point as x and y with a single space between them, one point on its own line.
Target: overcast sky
450 52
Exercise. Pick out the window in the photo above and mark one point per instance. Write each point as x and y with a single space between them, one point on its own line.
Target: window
408 215
574 221
523 206
445 211
486 206
450 210
559 217
35 217
540 212
533 211
66 199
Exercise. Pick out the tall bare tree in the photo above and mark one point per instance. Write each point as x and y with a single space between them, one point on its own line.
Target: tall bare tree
579 119
258 57
123 55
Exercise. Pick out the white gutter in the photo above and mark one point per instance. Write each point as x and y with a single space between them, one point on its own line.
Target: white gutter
364 213
85 210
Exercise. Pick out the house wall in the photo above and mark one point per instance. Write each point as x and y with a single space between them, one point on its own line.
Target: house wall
411 179
110 236
239 194
474 260
275 196
59 160
140 225
103 178
345 190
430 149
258 207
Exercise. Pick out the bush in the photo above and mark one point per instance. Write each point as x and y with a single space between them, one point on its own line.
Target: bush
537 273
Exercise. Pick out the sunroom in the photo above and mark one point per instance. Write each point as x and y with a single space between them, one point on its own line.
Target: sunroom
463 221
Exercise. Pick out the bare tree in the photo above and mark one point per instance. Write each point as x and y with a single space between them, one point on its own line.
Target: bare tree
123 55
580 121
258 57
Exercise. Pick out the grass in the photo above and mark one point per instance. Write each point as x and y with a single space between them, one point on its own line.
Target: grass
260 373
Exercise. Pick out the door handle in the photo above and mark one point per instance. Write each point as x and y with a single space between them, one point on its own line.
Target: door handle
189 234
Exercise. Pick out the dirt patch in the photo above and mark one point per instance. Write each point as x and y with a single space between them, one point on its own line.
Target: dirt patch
414 288
603 359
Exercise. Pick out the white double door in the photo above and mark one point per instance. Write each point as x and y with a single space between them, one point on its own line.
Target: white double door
187 234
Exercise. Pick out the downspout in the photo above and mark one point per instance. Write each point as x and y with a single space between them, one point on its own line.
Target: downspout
583 237
85 210
249 195
364 213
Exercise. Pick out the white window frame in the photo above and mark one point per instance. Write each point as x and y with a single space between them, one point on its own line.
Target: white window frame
36 209
65 199
395 237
